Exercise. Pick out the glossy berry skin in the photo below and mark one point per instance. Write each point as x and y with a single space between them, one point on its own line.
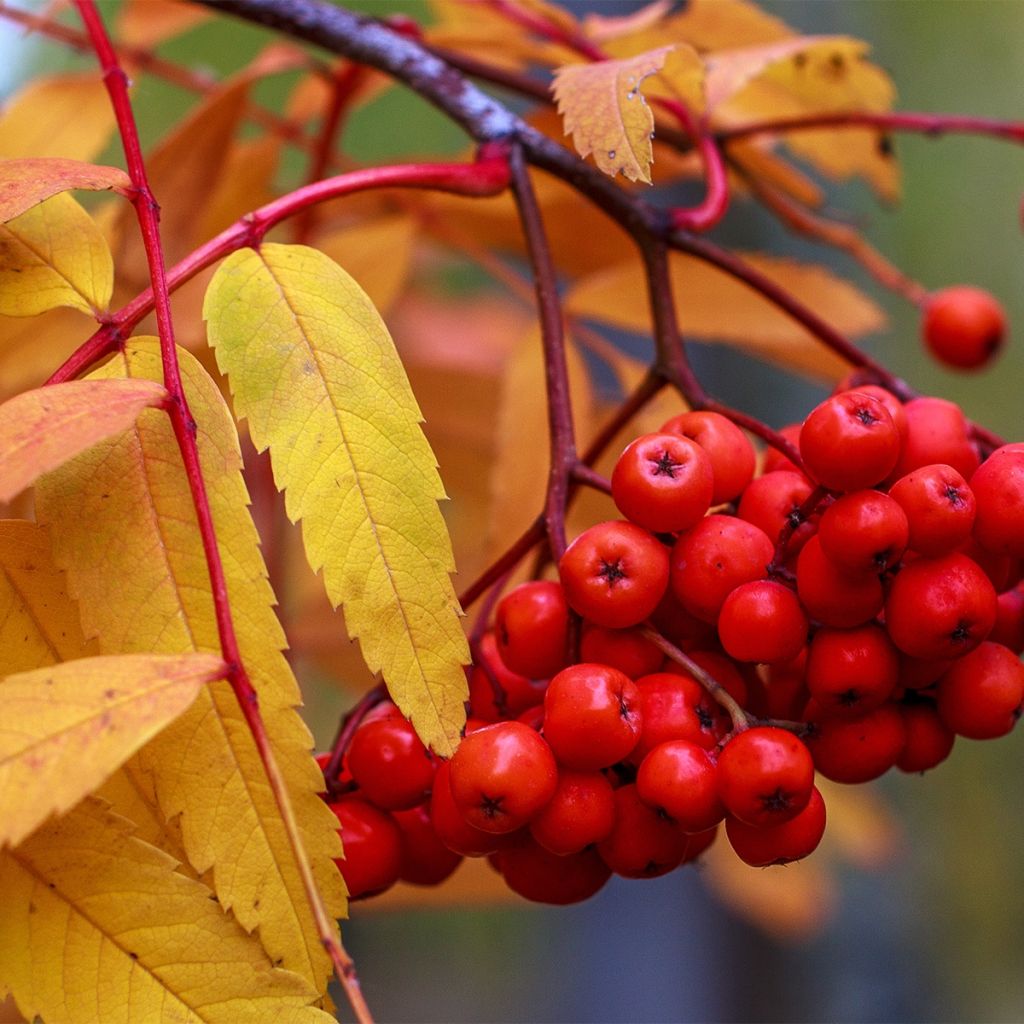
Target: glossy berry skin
831 596
628 650
937 432
850 671
890 401
372 847
849 442
939 506
452 828
680 779
676 707
592 716
425 859
713 559
998 487
982 695
731 454
774 460
765 776
614 574
963 327
517 691
783 843
929 740
502 775
770 502
864 532
531 624
762 622
581 812
854 750
643 843
540 876
390 765
1009 627
940 607
663 482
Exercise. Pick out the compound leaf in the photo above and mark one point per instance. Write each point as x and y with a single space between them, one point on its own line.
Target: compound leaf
99 928
40 429
66 728
313 369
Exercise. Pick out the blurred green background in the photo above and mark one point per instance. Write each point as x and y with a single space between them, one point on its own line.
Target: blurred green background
938 933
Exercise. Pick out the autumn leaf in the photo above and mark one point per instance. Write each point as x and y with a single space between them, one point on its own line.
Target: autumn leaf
60 116
313 369
606 112
99 928
147 23
41 429
715 306
30 180
66 728
54 254
123 526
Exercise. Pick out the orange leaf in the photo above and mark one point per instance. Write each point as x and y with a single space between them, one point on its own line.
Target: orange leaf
40 430
30 180
147 23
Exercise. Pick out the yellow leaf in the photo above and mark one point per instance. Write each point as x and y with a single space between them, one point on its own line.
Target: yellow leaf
54 255
313 369
99 928
41 429
30 180
124 528
38 621
147 23
65 729
377 253
714 306
64 115
607 114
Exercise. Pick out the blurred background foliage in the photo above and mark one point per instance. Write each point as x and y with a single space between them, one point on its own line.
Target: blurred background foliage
934 932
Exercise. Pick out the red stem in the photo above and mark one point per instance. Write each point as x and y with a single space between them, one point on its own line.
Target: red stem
547 29
486 177
369 700
184 427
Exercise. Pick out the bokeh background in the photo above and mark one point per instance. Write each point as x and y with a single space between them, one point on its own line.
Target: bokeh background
919 914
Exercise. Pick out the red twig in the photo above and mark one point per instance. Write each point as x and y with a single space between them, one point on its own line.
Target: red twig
486 177
369 700
185 433
546 29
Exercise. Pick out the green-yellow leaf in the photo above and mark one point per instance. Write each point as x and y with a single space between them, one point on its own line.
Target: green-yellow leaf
65 729
30 180
99 928
124 528
41 429
607 114
54 254
313 368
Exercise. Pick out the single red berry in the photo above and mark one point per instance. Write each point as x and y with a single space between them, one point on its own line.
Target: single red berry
495 691
774 460
643 843
452 828
772 503
890 401
680 779
1009 627
592 716
765 775
663 482
937 432
858 749
998 487
982 694
713 559
676 707
863 532
784 693
849 442
730 452
939 506
581 812
963 326
501 776
782 843
425 859
614 574
763 622
628 650
940 607
390 765
850 671
531 624
929 739
538 875
372 847
834 597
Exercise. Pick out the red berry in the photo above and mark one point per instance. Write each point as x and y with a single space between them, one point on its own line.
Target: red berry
628 650
939 506
501 776
998 487
831 596
731 454
774 460
963 327
531 624
425 859
495 691
663 482
451 827
591 716
541 876
863 532
614 574
1009 627
677 707
937 432
762 621
581 812
782 843
680 779
765 775
771 502
849 442
390 765
858 749
981 695
642 843
372 847
929 739
850 671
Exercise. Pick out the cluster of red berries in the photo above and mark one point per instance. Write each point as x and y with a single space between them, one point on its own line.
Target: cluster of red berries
700 659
